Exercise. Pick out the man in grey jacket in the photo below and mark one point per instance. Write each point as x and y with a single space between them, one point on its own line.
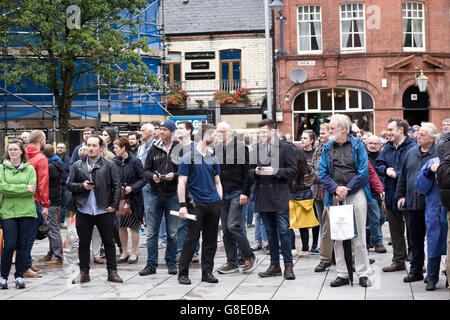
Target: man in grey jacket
412 201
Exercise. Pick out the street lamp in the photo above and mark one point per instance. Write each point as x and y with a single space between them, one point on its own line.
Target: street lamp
422 81
276 5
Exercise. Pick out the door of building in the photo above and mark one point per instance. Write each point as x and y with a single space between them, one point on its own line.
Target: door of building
415 106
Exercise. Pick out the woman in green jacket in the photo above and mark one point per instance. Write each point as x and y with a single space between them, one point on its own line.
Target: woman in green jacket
17 186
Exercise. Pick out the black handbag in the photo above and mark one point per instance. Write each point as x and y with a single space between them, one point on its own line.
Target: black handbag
70 203
43 230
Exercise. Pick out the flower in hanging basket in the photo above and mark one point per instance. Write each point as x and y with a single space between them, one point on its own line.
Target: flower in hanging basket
240 95
177 98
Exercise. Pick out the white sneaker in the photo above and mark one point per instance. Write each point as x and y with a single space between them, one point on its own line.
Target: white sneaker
294 253
3 283
304 254
19 283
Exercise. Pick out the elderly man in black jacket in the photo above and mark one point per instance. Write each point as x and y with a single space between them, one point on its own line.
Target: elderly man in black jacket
412 201
234 164
275 164
95 185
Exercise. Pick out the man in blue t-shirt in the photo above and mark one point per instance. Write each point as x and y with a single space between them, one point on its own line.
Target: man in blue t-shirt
200 170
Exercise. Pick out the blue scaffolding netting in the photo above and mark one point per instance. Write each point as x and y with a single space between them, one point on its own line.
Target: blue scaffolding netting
91 104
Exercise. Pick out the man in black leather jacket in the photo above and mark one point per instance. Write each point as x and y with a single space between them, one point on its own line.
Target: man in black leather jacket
95 185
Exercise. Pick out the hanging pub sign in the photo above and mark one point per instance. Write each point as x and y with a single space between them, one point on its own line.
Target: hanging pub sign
199 65
199 55
199 75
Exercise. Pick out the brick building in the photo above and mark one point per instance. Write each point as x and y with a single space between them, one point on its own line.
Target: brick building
217 45
362 58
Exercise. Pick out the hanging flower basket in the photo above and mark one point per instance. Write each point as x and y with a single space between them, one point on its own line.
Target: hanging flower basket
177 99
237 98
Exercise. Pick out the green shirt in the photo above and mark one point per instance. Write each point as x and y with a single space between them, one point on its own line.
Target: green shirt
16 200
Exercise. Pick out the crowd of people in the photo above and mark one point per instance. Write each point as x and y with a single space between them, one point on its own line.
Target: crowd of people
179 188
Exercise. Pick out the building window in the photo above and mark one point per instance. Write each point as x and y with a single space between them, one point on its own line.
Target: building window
413 26
230 70
309 31
352 27
173 70
314 107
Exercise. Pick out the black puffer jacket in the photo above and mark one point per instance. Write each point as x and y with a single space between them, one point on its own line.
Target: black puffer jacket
106 178
56 171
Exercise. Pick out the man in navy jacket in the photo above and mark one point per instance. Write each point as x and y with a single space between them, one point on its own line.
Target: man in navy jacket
388 165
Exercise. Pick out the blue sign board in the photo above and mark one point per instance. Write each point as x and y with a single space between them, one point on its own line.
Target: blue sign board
195 120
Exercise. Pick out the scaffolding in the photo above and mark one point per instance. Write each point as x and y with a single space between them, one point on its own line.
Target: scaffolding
36 104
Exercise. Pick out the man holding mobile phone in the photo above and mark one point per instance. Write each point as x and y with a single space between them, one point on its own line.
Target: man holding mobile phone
161 172
95 185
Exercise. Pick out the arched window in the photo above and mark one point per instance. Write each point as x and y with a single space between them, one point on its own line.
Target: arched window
314 107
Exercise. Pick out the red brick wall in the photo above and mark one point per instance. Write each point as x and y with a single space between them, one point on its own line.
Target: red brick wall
384 47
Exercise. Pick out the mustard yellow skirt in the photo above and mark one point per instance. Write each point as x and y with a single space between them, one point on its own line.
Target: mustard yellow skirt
301 214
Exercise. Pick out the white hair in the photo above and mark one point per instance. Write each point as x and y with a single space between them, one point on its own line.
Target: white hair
432 130
148 126
226 124
343 121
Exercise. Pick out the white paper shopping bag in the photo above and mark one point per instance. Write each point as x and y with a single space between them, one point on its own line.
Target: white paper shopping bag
342 225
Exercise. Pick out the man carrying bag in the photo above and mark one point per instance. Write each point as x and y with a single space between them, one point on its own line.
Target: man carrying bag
343 172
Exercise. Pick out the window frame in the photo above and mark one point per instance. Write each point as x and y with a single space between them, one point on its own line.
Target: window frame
347 110
352 49
305 52
414 49
230 69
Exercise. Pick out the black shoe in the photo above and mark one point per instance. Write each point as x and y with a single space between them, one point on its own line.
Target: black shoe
371 261
123 260
364 282
272 271
322 266
183 279
208 277
411 277
172 269
431 286
147 270
339 282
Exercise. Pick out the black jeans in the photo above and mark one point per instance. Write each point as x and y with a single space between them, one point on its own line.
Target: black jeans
105 225
16 232
417 231
208 214
233 235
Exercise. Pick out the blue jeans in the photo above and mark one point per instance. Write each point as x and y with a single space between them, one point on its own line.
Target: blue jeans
244 228
374 218
157 207
62 211
260 229
162 238
277 223
433 269
250 208
16 232
181 235
32 234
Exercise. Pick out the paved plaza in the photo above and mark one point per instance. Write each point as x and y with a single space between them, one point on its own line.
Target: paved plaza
308 285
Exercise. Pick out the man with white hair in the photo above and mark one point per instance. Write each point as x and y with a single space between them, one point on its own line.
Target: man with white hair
410 200
345 179
147 141
234 160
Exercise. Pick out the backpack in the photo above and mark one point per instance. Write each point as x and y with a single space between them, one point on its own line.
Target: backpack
443 176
